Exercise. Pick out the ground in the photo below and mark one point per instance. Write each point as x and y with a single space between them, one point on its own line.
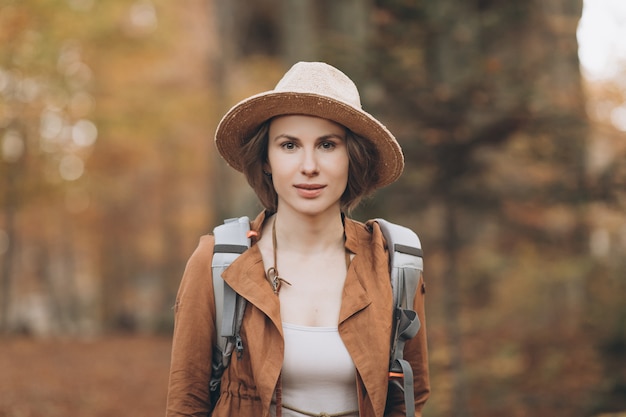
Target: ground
127 376
104 377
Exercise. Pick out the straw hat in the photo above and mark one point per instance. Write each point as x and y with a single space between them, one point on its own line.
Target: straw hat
314 89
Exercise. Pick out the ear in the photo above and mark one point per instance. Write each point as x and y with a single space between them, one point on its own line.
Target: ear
267 170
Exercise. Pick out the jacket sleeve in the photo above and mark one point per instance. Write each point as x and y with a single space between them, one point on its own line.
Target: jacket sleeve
416 353
194 337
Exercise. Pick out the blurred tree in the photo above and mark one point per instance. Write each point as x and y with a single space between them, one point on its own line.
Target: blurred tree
606 294
152 65
102 232
46 136
484 99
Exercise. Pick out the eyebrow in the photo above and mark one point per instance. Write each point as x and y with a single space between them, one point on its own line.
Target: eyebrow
323 137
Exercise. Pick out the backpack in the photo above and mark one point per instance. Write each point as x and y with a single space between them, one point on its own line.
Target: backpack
405 263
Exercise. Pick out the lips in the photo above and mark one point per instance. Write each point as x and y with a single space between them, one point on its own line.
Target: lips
309 190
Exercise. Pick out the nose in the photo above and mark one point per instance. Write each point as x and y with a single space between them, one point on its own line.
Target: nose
309 163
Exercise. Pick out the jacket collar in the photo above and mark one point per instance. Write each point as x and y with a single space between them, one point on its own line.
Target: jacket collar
247 275
355 297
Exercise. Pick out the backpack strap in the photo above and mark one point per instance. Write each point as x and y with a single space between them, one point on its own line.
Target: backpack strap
231 240
406 265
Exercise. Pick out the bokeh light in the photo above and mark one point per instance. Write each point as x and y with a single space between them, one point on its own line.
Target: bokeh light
12 146
71 167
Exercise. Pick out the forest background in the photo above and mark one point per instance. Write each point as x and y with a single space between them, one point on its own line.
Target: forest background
515 181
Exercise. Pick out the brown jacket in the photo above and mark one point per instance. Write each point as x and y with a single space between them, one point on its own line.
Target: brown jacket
249 383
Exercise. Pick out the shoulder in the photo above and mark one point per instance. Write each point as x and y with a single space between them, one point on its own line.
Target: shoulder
199 263
204 249
364 237
196 286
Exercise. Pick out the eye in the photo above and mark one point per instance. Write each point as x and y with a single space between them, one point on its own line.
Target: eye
328 145
288 145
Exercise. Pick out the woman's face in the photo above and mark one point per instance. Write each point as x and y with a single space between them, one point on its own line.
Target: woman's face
308 160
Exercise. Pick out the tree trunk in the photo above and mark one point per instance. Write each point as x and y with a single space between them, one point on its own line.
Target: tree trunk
452 307
299 35
8 257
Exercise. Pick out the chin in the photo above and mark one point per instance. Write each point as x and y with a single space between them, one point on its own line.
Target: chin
314 208
318 211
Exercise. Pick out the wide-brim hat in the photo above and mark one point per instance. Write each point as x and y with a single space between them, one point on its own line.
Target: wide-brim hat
314 89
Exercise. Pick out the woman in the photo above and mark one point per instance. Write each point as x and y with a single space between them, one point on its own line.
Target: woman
317 325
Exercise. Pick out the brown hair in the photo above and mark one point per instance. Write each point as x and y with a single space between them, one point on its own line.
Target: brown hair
362 173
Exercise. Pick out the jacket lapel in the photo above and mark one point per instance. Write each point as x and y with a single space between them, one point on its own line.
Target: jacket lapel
361 332
246 277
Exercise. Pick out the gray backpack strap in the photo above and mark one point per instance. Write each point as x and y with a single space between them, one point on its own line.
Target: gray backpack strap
231 240
406 265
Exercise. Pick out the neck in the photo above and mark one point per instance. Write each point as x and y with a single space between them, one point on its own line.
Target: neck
306 233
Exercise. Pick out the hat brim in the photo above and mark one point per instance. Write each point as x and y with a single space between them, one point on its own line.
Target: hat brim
243 120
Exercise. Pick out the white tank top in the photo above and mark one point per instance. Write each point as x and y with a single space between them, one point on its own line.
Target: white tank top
318 374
